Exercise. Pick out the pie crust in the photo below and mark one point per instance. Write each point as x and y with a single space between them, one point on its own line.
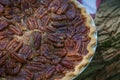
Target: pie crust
91 46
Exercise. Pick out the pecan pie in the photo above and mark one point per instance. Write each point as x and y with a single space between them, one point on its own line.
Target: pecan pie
44 39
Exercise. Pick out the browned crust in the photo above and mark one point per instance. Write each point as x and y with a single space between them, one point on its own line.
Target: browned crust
91 50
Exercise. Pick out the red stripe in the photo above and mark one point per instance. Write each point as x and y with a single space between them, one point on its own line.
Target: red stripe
80 1
93 15
98 3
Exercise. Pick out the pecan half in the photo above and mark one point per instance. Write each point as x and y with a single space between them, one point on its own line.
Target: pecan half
35 40
59 24
71 12
67 64
45 50
56 37
25 74
32 23
54 5
26 51
35 66
3 44
60 52
74 58
40 12
6 33
63 8
50 71
14 45
13 68
41 59
17 57
56 17
16 30
3 25
45 20
59 68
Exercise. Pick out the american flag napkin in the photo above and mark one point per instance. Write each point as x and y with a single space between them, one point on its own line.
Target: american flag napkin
91 6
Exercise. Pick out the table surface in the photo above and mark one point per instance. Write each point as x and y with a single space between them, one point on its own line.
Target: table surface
106 62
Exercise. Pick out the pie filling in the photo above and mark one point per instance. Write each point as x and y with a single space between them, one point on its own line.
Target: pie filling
41 39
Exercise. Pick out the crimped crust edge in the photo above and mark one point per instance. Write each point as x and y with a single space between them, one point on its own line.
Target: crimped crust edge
90 47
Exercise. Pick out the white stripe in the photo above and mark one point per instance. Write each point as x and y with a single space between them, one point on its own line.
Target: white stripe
90 5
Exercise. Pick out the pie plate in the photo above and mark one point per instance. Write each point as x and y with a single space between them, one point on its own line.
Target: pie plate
45 39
